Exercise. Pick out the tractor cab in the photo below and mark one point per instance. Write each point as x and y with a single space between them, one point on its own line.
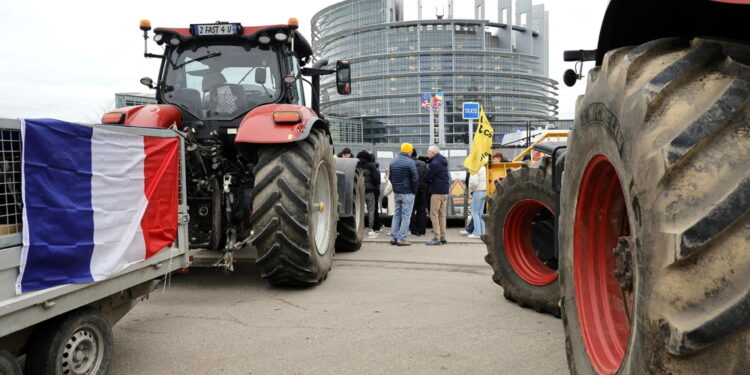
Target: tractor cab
216 73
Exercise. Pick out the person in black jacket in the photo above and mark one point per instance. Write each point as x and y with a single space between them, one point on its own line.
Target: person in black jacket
372 185
418 224
438 180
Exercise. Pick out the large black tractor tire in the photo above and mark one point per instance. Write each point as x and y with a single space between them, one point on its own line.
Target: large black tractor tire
351 229
655 215
79 342
293 232
520 237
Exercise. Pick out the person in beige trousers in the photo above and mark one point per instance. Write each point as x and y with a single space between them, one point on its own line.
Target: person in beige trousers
438 182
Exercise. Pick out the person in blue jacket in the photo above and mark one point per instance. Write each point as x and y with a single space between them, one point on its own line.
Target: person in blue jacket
438 180
405 181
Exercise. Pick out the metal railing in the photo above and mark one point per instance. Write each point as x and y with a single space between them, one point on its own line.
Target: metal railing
11 206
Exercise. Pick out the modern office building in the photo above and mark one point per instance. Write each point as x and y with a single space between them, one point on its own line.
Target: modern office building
498 59
129 99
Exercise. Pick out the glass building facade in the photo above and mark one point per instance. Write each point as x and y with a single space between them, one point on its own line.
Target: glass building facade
130 99
502 66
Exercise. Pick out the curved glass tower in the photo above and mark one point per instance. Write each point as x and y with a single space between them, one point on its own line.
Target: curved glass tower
501 65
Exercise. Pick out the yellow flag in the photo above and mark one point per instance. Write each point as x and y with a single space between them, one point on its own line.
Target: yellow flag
481 146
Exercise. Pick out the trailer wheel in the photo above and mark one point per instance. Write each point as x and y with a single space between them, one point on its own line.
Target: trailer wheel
76 343
521 237
351 229
295 210
655 213
9 364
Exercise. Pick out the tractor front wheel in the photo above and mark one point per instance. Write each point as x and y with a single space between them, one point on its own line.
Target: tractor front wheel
295 210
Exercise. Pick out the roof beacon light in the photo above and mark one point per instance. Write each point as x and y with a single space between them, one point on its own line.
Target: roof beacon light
145 25
264 39
293 22
280 37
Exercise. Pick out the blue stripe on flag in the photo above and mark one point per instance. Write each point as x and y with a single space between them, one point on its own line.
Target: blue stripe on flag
57 203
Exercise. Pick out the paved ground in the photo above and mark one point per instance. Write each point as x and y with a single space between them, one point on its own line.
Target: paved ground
383 310
453 236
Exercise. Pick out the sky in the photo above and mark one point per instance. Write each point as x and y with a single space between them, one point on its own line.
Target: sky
66 59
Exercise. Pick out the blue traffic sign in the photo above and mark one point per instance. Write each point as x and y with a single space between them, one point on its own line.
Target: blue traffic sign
471 111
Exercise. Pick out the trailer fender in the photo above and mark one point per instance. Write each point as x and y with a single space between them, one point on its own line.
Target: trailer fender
346 170
259 126
149 116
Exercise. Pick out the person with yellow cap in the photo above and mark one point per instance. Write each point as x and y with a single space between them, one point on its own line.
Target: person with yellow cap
405 181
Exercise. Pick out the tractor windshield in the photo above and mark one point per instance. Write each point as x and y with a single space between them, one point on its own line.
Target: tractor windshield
221 81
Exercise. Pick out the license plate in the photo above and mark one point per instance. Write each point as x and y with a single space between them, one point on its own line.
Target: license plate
216 29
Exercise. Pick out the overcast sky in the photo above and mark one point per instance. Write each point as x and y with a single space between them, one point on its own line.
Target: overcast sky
66 59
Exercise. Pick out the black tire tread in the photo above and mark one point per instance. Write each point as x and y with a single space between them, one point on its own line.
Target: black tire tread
281 211
349 238
683 111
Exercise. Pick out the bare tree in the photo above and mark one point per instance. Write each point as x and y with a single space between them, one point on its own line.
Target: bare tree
95 115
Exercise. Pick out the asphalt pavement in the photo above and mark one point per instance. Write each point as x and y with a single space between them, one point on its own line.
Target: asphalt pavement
383 310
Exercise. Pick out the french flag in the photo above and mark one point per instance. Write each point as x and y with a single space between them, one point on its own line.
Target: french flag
95 201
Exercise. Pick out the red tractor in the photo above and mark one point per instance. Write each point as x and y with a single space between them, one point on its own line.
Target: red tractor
647 230
260 163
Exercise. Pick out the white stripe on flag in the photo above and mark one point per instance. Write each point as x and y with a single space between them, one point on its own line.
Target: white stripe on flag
24 230
118 200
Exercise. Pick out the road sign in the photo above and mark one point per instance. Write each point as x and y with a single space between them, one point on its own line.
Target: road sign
471 111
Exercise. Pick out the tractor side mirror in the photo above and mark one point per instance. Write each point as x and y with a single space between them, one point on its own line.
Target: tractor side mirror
580 56
343 77
570 77
260 76
148 82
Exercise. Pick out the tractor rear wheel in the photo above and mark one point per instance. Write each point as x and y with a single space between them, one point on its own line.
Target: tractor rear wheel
295 210
521 237
351 229
655 214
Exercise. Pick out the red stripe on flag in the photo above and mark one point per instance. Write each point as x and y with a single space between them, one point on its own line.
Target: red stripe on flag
161 170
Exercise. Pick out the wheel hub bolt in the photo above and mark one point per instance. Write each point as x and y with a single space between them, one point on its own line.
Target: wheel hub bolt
624 263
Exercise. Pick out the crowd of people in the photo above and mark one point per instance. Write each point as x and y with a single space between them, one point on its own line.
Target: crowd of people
412 184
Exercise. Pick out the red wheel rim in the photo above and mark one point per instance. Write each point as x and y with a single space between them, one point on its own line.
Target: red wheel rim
518 247
601 219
